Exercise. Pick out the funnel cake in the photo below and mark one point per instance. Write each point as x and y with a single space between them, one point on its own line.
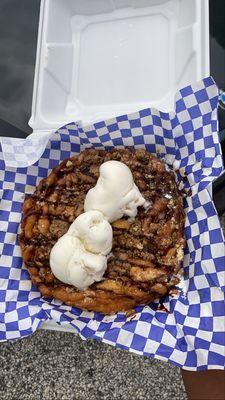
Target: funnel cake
146 253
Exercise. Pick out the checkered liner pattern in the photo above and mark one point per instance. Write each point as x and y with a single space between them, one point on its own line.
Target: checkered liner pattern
192 334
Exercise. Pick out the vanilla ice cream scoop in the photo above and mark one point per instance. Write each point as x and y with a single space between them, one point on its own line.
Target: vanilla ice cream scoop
72 264
61 255
86 268
115 193
94 231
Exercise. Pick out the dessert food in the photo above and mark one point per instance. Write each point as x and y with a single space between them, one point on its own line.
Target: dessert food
147 249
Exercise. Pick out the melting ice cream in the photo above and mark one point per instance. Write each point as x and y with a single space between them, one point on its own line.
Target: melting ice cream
72 264
115 193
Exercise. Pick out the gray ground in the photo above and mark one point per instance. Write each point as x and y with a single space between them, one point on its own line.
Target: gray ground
53 365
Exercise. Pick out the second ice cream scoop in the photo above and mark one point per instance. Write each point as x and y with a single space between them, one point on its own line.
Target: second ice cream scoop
115 193
94 231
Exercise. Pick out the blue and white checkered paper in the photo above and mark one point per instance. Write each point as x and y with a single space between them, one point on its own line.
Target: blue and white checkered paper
192 335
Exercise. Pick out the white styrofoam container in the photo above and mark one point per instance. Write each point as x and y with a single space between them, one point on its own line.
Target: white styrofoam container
100 58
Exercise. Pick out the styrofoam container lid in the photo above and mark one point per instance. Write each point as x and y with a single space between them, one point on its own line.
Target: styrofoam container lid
101 58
